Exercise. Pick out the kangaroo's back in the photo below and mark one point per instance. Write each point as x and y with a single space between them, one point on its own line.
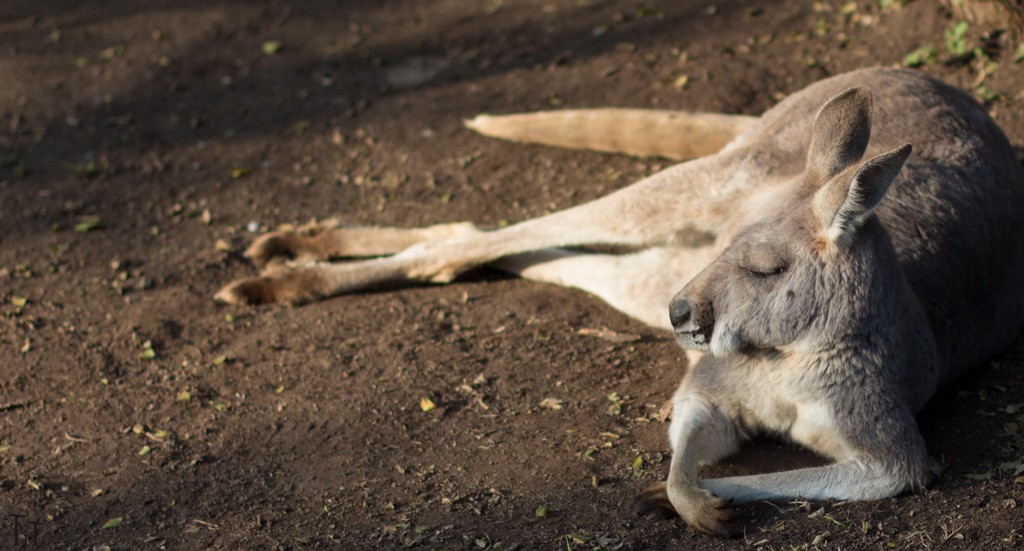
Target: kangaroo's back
955 217
955 214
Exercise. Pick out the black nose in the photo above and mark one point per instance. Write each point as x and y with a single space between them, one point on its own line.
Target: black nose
679 312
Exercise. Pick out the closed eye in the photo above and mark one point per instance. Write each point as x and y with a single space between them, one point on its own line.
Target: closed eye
764 272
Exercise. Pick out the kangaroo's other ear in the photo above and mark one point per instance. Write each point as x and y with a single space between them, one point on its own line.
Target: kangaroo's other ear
846 200
840 135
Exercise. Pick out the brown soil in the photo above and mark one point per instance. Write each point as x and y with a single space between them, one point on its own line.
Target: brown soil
127 394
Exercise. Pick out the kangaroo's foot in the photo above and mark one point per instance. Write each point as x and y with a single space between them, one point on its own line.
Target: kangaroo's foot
285 284
329 239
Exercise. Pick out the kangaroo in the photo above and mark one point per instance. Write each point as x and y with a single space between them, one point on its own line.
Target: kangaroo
842 277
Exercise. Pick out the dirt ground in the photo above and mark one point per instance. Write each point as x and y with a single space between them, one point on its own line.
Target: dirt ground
144 144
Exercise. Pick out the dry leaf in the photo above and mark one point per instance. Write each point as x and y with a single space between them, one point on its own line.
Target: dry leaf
665 411
271 47
112 522
84 224
552 403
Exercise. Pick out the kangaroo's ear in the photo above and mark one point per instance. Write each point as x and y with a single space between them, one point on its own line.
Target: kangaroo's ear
846 201
840 135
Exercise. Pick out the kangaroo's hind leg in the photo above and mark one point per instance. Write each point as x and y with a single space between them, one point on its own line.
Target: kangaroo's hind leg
696 196
329 239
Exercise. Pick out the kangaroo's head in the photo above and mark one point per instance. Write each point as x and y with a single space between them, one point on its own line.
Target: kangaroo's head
801 273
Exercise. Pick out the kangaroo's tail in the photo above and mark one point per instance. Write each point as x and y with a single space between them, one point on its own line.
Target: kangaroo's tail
641 132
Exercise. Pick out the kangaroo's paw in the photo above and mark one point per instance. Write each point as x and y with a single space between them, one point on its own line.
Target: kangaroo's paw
708 513
294 285
702 510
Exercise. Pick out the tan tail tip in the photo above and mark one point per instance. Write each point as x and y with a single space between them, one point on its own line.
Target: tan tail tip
477 123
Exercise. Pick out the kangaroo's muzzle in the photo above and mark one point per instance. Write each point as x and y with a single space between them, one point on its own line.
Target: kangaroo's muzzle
689 333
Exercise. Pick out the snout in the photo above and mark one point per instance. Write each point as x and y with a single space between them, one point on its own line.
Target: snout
689 333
